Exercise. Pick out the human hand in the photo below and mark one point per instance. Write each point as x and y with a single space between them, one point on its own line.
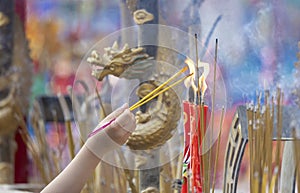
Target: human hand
112 132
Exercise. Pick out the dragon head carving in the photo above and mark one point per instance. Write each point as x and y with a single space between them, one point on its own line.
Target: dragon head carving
116 61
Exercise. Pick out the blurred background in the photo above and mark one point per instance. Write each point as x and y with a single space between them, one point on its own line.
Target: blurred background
258 42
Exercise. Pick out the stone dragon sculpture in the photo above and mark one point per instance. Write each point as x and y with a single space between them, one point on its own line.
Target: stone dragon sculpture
155 120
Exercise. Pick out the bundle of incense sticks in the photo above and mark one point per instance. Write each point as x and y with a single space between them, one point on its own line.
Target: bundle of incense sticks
263 174
34 147
159 90
203 166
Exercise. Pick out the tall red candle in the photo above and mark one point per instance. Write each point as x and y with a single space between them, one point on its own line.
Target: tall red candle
198 128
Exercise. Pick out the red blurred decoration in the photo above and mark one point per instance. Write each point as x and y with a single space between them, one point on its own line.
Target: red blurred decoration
21 158
59 84
20 9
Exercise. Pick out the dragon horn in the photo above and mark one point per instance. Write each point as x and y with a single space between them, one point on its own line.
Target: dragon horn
94 54
125 47
115 46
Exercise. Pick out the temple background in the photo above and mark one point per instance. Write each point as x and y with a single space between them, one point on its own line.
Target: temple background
258 44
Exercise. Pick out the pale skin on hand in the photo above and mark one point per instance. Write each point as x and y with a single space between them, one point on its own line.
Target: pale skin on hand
75 175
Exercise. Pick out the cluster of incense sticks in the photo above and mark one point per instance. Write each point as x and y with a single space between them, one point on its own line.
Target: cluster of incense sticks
160 89
200 165
264 170
47 160
38 147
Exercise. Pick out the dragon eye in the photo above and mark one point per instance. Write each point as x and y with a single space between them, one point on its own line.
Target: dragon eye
112 68
126 57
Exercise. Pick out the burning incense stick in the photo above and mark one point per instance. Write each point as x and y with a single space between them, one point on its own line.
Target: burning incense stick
197 100
138 104
160 87
213 104
197 70
199 116
147 99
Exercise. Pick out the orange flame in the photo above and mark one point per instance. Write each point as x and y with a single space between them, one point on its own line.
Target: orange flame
190 82
202 85
202 79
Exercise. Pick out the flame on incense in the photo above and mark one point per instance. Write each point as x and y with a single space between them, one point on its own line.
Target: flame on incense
190 82
202 79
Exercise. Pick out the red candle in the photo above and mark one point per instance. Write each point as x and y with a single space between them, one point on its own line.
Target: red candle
198 128
194 131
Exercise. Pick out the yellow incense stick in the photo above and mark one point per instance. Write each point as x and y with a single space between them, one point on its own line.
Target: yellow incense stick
255 182
274 179
158 88
138 104
264 180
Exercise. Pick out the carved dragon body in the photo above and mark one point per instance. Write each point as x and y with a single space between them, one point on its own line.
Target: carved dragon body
158 118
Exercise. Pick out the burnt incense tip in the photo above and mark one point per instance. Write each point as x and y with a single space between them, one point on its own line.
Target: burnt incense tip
196 36
184 69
